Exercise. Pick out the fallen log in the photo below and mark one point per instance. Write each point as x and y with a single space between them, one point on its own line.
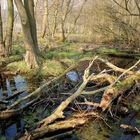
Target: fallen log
118 53
15 94
62 125
117 88
71 123
6 114
115 68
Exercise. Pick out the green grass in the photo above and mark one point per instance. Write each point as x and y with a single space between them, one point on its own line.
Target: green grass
67 50
17 49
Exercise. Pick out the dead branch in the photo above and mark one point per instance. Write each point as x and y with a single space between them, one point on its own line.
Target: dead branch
13 112
105 76
115 68
58 113
95 91
130 128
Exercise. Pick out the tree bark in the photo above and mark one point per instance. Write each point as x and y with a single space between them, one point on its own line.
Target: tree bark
9 30
29 6
63 32
31 57
1 36
45 19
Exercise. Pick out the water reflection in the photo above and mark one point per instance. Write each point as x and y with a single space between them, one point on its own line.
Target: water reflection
14 129
20 82
8 86
21 85
1 95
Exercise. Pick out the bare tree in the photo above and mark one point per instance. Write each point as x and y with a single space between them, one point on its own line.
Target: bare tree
127 4
66 7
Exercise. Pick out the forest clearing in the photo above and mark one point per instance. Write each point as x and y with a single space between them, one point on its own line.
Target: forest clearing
69 70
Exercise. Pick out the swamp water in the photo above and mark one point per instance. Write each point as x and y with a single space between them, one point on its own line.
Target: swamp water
95 129
10 130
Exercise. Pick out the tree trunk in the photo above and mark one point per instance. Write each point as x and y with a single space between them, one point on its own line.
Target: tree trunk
55 21
1 36
31 57
45 19
63 32
29 6
10 23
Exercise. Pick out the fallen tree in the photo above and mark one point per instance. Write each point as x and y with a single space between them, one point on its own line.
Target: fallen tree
118 88
67 124
111 92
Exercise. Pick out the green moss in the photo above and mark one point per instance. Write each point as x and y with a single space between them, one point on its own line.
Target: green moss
21 65
50 67
126 84
107 50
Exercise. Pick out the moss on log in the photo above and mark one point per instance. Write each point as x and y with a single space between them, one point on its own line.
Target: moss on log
119 88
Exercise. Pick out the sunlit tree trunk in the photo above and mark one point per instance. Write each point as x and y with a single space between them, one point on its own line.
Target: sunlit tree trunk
9 29
45 19
1 36
26 13
55 23
29 6
63 32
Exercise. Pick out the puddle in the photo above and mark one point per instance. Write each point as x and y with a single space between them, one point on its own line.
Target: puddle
72 76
